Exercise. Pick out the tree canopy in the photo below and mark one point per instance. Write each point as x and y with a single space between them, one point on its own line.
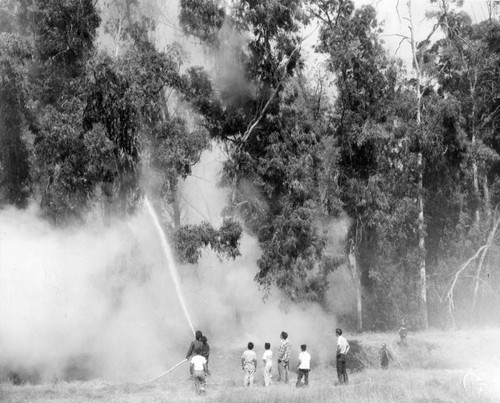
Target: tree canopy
409 155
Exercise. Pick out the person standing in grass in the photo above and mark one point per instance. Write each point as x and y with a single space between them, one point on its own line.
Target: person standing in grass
342 349
249 365
385 355
198 369
195 344
283 357
304 366
403 332
268 364
205 350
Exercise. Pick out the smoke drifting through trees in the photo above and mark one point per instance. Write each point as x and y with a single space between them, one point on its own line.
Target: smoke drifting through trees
90 123
98 301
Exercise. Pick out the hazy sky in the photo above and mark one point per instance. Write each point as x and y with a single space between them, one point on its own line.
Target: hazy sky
393 13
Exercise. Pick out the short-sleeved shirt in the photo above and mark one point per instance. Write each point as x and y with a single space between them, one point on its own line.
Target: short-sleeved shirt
304 360
249 359
198 361
268 357
342 345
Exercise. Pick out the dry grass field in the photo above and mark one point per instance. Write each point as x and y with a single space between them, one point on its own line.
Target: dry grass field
431 368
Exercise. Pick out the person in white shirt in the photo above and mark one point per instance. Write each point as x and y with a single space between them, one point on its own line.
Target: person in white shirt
342 349
198 369
268 364
249 364
304 366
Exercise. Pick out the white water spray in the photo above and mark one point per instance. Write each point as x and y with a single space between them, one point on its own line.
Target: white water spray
170 259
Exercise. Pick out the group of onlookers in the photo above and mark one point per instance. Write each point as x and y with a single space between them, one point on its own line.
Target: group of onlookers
199 352
249 363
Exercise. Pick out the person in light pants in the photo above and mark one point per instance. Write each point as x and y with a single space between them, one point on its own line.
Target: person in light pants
268 364
249 364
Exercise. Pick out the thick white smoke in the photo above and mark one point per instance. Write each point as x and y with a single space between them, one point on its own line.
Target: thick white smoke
223 294
98 300
90 301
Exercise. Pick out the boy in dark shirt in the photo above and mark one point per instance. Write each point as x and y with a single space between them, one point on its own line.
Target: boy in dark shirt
196 343
205 350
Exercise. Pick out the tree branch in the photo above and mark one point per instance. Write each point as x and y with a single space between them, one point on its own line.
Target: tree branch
481 251
257 120
489 242
449 293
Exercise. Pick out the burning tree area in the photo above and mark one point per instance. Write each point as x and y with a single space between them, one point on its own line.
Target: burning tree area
98 107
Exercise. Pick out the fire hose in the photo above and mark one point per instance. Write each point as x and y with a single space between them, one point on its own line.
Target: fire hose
165 373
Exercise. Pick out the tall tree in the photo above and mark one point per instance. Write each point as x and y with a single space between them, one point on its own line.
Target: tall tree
465 67
14 155
273 144
417 66
369 150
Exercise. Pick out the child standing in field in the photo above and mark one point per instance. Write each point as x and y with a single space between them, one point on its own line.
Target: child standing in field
403 333
198 369
385 355
268 364
205 350
304 366
249 364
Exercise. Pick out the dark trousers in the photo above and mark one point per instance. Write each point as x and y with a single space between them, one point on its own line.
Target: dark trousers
303 373
341 369
199 381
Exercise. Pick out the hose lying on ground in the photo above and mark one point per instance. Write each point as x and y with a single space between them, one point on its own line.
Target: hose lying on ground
165 373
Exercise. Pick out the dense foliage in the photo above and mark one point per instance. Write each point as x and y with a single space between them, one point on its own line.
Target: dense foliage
411 159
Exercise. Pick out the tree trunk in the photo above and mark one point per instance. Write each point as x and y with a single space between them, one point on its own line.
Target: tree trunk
356 277
420 168
475 176
118 38
476 185
177 211
487 200
422 251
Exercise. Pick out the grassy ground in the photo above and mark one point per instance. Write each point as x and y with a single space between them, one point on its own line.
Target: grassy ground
430 369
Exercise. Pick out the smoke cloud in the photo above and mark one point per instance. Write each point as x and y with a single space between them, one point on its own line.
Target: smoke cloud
98 301
223 295
83 302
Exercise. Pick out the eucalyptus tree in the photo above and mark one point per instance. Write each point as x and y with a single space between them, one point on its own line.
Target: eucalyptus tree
466 67
46 48
14 151
374 174
271 135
